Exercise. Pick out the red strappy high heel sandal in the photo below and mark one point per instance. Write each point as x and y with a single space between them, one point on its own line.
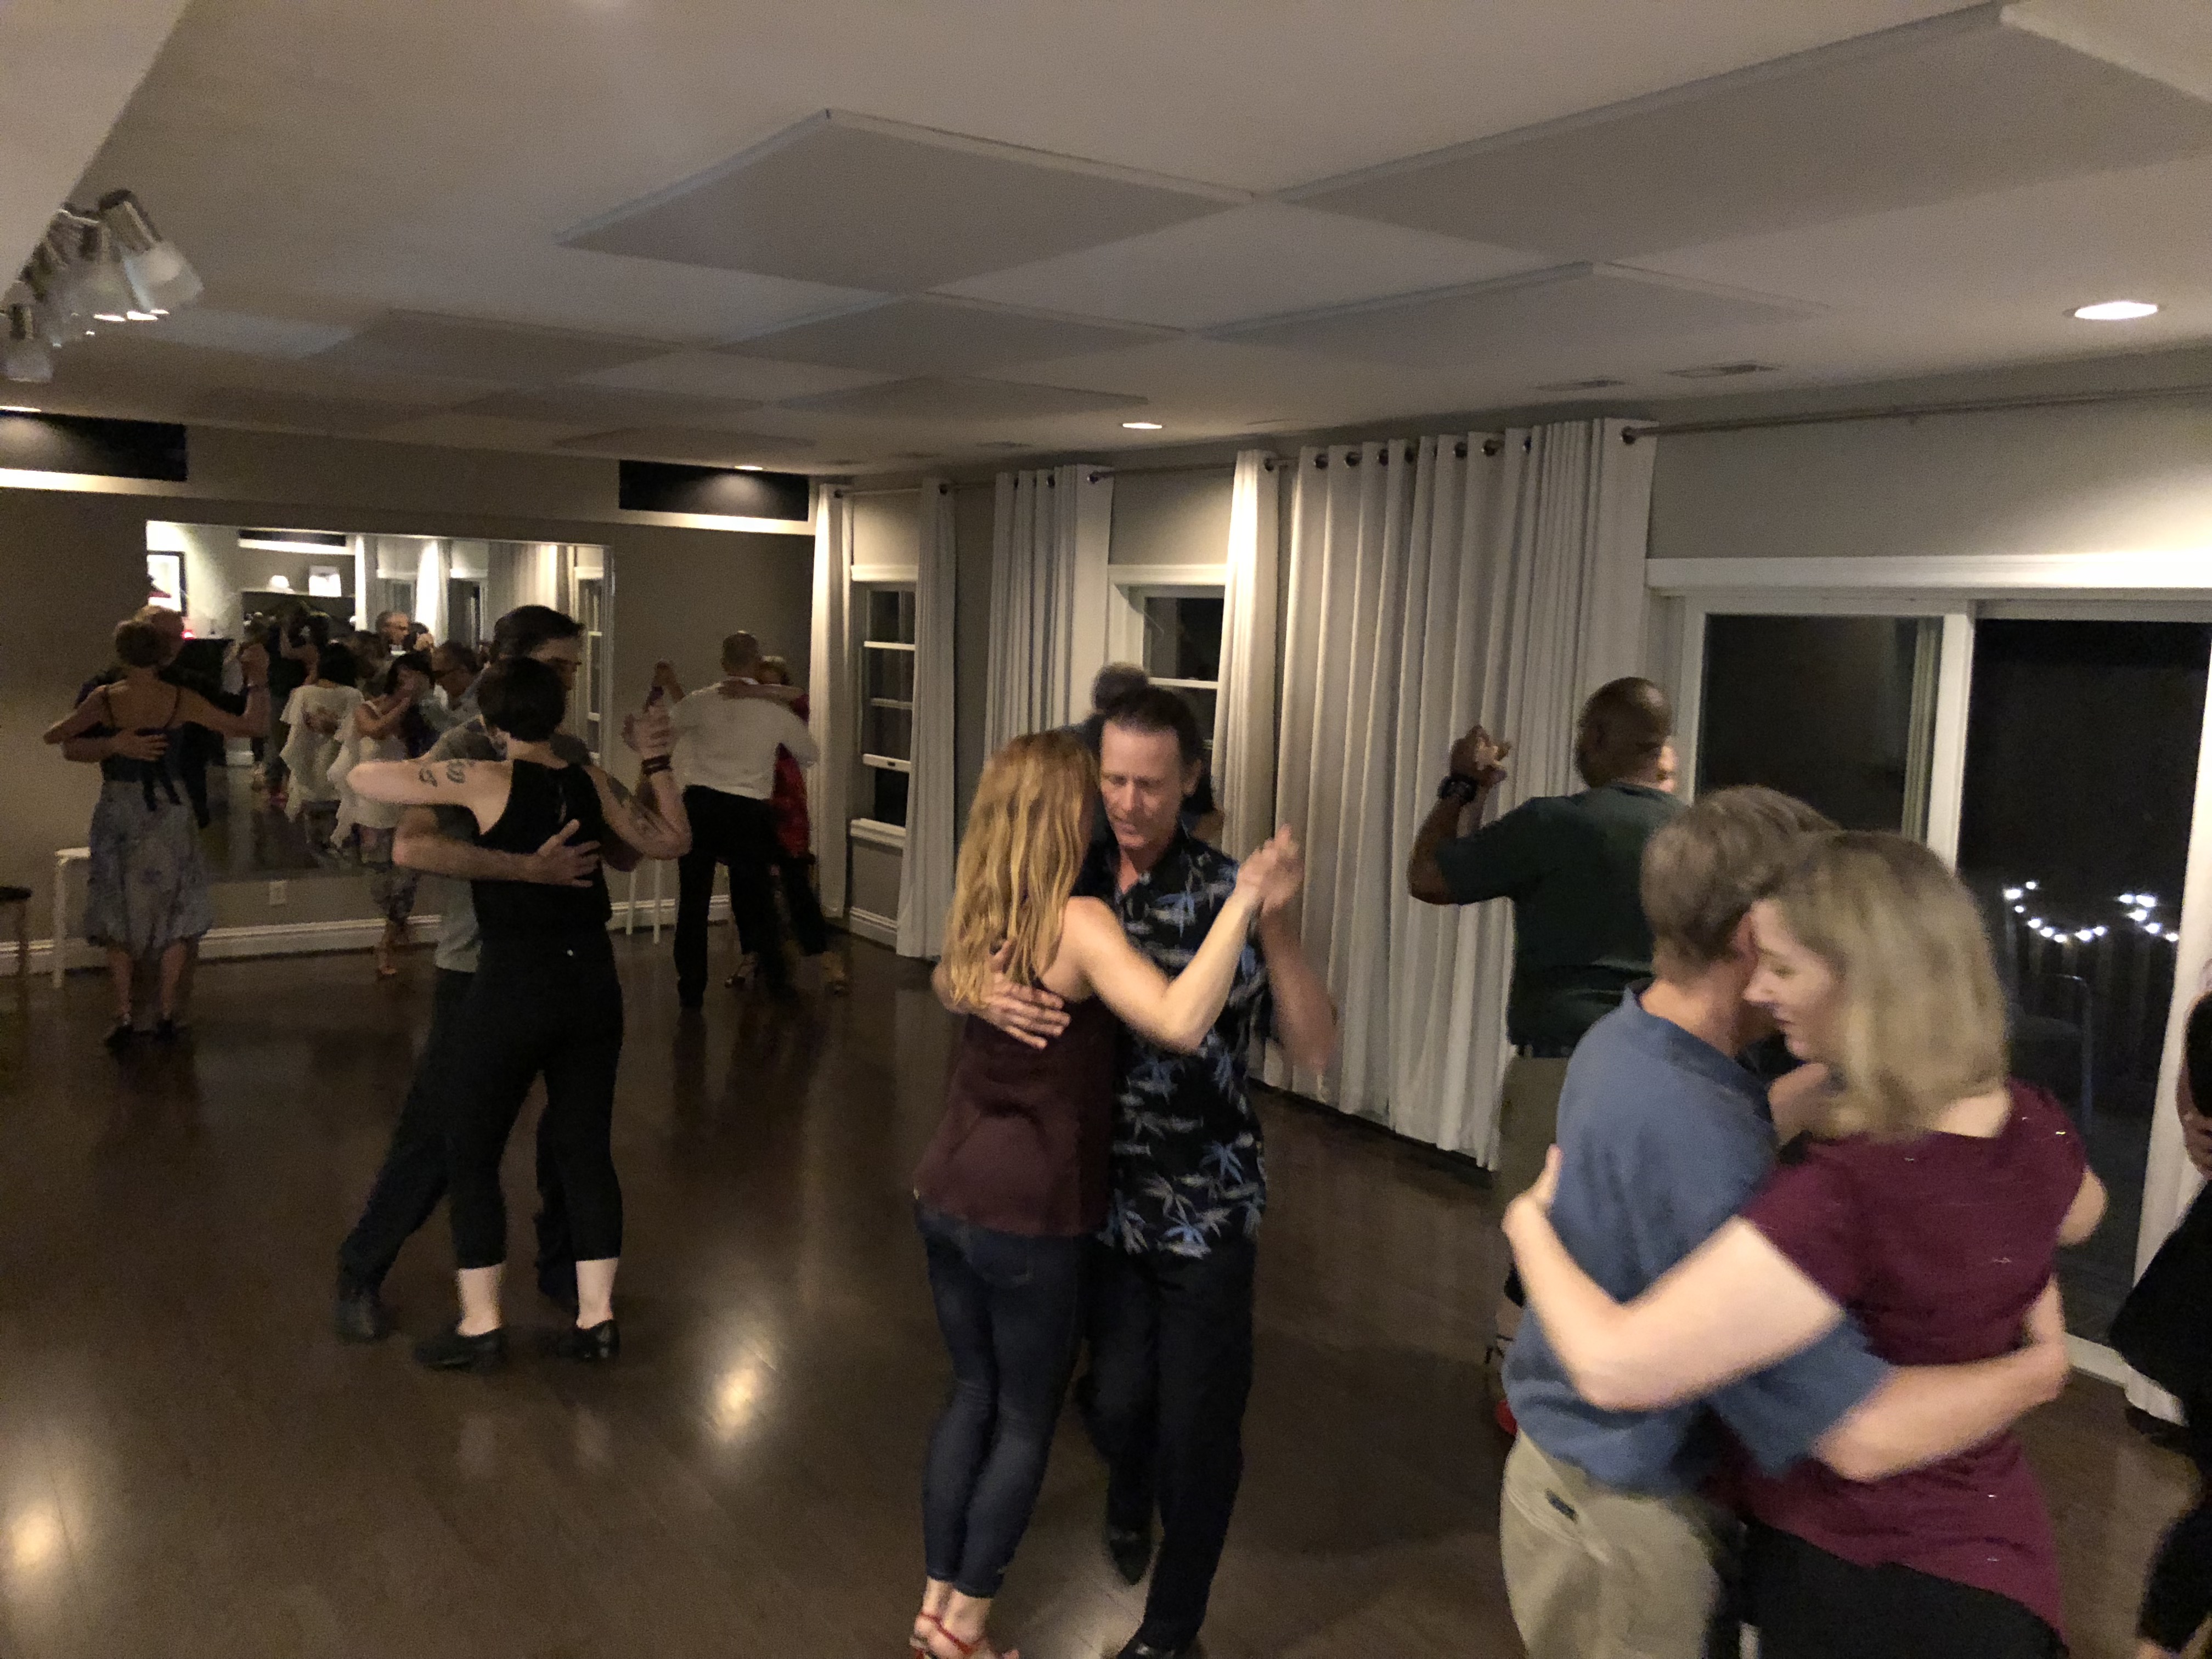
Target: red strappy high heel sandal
981 1648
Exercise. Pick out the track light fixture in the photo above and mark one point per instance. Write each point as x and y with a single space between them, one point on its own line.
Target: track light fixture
107 265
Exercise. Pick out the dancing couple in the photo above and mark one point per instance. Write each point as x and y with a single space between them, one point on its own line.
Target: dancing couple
1867 1321
1098 1133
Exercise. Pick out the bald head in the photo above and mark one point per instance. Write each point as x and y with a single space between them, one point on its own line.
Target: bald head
741 654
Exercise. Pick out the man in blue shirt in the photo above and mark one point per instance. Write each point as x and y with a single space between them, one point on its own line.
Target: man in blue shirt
1609 1545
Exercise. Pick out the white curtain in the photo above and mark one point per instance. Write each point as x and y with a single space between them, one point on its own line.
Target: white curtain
926 867
1430 584
829 689
1244 711
1049 592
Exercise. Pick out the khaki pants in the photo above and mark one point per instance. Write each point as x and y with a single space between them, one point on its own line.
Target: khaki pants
1593 1573
1527 1124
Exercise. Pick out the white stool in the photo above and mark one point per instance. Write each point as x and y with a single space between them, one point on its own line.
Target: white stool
64 857
629 915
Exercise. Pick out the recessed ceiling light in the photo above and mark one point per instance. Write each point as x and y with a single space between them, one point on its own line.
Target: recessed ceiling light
17 408
1140 426
2115 311
745 467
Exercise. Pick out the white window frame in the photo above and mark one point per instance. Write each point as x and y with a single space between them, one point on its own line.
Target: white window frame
1133 583
2147 586
866 580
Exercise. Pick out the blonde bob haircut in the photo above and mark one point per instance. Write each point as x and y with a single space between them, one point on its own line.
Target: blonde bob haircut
1923 1016
1023 850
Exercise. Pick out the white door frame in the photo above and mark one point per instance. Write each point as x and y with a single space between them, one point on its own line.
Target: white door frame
2118 586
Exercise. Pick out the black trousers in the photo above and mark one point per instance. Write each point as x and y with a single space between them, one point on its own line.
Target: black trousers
1809 1604
800 902
549 1007
412 1179
740 832
2178 1598
1170 1371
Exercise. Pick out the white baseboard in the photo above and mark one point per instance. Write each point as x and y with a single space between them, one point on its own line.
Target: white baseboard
300 939
877 930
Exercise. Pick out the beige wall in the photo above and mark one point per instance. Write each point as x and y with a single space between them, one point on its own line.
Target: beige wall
73 561
1171 517
2114 477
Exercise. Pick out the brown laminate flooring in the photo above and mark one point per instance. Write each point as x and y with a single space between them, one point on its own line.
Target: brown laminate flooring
193 1467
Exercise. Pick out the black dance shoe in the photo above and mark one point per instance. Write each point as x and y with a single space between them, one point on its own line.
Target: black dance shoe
1140 1648
449 1350
1131 1551
360 1315
592 1346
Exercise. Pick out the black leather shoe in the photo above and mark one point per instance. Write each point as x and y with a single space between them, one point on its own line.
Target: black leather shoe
1131 1551
1140 1648
593 1345
360 1315
449 1350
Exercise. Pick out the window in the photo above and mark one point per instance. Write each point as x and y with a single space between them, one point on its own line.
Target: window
1168 622
885 614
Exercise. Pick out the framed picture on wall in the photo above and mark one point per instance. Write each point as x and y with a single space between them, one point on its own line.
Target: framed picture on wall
165 580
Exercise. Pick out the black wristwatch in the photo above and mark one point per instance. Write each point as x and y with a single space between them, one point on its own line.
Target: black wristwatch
1459 788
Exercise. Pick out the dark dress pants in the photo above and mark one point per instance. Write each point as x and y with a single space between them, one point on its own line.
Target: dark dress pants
1170 1371
412 1179
547 1007
740 832
2178 1598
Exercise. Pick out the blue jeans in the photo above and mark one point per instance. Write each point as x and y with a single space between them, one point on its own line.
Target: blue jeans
1009 1308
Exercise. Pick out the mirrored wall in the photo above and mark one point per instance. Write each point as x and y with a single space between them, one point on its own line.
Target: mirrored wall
336 611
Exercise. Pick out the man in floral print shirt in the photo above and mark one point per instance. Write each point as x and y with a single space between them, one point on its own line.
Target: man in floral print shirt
1171 1324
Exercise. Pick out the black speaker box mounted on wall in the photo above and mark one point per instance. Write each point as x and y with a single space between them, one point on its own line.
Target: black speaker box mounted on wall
97 448
717 491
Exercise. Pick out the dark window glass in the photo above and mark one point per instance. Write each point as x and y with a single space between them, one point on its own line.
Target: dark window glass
1182 637
890 614
2081 748
889 804
1838 711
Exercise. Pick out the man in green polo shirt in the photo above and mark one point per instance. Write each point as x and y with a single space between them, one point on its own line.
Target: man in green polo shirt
1573 865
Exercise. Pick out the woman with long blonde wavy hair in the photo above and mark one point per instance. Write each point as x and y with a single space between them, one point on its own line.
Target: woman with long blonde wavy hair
1015 1181
1928 1208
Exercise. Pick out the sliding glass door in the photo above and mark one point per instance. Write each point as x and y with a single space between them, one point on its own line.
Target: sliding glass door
2050 748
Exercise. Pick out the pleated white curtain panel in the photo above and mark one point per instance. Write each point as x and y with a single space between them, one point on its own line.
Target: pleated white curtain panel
830 691
1432 583
1244 710
926 867
1049 591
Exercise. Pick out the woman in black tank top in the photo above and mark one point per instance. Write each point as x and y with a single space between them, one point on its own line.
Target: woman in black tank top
1014 1182
544 1000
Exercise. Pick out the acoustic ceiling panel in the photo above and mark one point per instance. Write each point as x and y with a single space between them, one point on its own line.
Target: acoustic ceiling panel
931 336
1577 304
456 348
715 374
1955 107
232 405
863 203
682 443
961 399
600 408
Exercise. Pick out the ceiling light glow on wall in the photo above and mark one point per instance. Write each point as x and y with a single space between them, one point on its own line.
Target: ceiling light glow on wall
2115 311
1140 426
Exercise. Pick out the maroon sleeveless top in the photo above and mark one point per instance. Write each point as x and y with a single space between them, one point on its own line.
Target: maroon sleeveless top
1024 1143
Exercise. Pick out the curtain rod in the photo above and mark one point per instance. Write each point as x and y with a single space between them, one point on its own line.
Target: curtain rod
1906 411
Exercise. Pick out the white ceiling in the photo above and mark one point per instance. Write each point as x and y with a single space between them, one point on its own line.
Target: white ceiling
1027 224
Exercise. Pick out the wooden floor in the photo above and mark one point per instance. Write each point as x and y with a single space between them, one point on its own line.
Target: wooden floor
191 1468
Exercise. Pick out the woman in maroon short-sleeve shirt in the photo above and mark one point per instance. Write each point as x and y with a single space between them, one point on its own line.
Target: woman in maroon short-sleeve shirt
1928 1210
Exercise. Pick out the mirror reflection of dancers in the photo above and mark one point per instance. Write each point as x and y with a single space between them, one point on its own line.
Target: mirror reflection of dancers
1014 1182
148 898
545 999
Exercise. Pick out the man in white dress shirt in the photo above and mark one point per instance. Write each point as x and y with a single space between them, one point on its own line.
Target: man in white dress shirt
726 748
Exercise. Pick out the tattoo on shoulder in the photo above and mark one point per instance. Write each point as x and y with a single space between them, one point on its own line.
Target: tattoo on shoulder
457 772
